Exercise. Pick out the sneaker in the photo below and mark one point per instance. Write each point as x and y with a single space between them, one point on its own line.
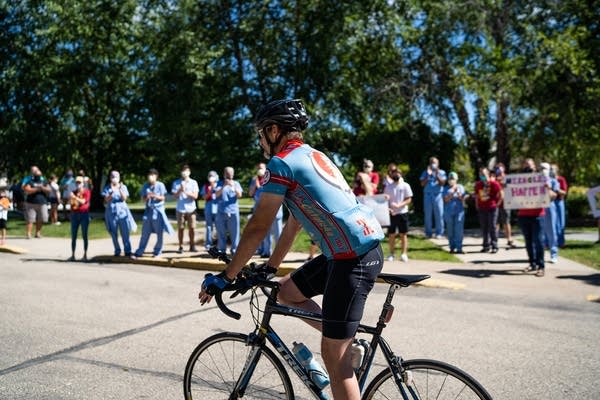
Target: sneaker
57 223
133 257
530 268
540 272
461 251
390 258
38 235
510 245
84 258
193 249
494 250
180 250
452 251
484 250
72 258
439 236
554 260
404 257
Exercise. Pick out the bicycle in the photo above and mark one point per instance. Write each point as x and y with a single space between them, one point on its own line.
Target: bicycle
232 365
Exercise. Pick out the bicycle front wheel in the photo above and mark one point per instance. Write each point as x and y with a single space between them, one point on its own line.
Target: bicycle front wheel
216 364
426 379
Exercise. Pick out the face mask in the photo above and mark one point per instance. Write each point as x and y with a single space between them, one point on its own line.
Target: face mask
79 186
185 174
483 178
152 179
114 180
434 166
260 172
451 182
70 175
212 179
396 178
546 172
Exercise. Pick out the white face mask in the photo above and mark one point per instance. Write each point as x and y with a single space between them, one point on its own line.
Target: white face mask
212 179
260 172
79 185
152 179
434 166
185 174
114 180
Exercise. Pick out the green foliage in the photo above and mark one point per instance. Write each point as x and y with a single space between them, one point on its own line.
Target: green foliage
135 84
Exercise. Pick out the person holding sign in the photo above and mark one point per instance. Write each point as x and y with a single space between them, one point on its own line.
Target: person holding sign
531 221
487 195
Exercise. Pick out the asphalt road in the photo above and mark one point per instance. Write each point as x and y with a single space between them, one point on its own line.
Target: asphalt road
90 331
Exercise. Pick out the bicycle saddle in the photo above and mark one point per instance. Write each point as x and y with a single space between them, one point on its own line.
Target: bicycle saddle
402 280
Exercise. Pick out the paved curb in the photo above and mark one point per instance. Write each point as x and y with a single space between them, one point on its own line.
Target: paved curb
216 265
12 249
594 298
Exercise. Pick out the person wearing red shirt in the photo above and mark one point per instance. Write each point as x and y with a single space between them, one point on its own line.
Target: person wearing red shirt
531 222
366 182
560 204
487 195
80 215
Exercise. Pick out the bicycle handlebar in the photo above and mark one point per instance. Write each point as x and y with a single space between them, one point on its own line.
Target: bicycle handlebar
245 280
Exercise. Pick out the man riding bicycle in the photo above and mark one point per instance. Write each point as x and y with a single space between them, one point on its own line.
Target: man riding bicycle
320 201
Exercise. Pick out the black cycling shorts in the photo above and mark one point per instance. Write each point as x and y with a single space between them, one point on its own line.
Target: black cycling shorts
344 284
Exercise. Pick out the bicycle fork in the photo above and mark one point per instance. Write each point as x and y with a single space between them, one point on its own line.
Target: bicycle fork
402 377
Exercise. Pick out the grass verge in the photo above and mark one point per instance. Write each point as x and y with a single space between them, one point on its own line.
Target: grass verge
96 230
584 252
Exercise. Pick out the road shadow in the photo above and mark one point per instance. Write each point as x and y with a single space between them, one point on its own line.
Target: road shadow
593 279
483 273
524 261
63 260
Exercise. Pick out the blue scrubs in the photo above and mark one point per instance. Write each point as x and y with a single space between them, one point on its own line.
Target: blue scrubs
118 217
155 219
210 215
228 216
550 223
454 215
433 202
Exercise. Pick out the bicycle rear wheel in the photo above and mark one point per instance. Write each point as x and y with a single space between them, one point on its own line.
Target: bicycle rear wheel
216 364
426 379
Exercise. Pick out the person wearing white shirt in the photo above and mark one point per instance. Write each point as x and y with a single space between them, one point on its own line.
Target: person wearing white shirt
186 190
399 195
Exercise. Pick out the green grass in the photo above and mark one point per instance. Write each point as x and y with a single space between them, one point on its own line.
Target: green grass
584 252
419 248
97 229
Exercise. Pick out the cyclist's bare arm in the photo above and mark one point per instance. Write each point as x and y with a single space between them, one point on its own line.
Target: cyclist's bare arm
255 231
289 233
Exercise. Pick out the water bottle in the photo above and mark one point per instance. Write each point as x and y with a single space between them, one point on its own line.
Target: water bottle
358 350
316 372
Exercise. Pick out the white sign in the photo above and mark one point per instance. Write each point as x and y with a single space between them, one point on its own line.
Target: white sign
379 204
593 196
526 191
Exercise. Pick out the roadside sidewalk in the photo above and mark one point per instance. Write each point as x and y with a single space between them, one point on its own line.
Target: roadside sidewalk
500 273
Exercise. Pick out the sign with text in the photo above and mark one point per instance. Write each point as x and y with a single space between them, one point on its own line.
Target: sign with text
526 191
594 199
379 204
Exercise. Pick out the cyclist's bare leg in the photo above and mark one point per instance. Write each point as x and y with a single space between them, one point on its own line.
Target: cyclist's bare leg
337 357
290 295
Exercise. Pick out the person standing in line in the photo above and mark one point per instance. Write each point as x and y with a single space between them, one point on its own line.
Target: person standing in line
561 194
399 194
433 180
551 214
487 196
155 219
228 217
211 207
67 186
454 213
388 177
4 207
531 222
117 215
366 181
36 189
80 216
503 214
186 192
54 199
255 190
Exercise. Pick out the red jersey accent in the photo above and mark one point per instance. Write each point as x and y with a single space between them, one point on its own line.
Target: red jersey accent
289 147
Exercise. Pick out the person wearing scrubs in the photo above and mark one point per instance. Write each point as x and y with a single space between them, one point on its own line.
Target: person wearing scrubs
228 217
551 214
210 207
116 214
155 219
433 180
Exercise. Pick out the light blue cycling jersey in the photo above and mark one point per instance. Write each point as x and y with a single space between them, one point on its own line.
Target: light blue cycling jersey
319 197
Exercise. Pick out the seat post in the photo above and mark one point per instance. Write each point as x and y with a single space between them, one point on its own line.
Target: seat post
387 305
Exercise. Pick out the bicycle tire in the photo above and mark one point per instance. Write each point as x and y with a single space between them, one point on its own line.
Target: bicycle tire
215 366
430 379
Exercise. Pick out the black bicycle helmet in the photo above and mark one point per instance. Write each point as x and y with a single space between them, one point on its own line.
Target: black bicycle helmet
288 114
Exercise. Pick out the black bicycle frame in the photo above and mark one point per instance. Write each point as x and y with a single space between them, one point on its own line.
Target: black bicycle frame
264 331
